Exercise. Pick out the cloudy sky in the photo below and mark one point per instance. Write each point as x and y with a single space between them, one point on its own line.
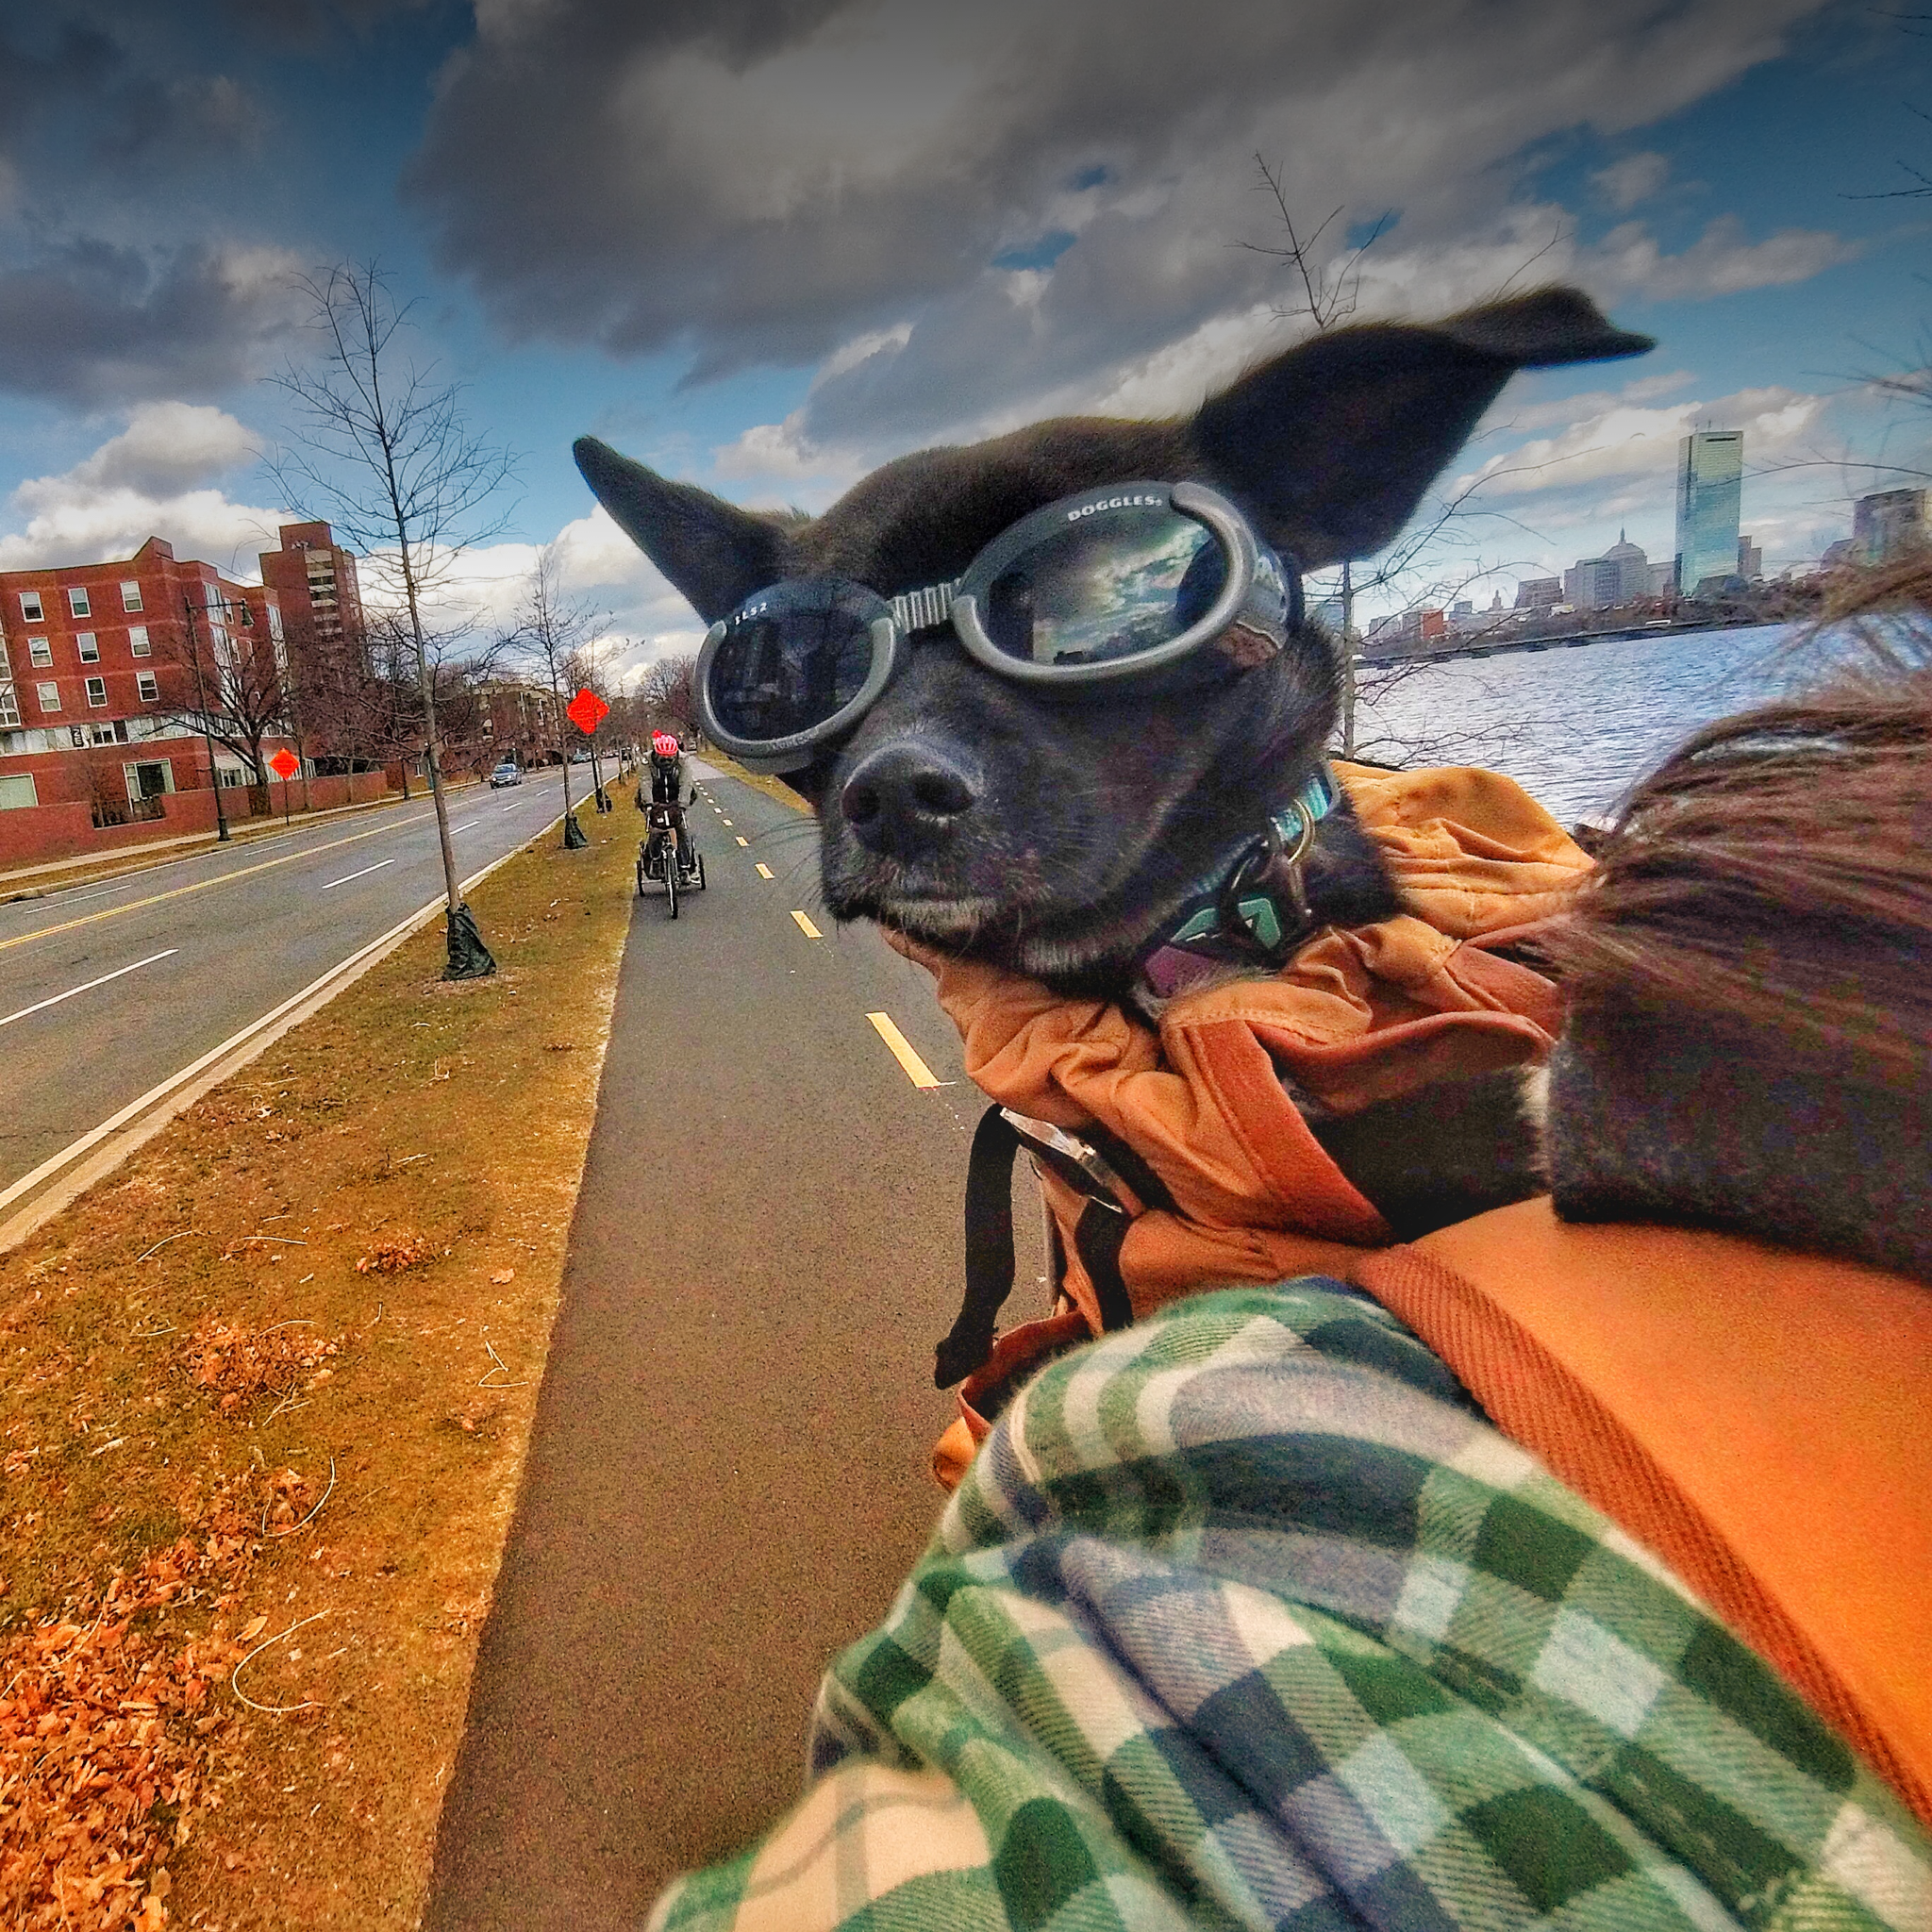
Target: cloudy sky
764 245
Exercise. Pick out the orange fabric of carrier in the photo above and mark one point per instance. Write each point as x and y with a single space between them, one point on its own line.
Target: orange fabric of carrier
1757 1418
1358 1015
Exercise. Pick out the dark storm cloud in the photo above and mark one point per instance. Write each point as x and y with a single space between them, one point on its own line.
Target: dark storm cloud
312 26
766 182
73 83
92 323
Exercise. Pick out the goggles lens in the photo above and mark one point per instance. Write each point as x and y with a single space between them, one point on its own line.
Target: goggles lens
1116 584
793 658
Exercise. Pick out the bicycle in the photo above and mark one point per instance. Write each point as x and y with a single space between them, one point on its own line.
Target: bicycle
658 855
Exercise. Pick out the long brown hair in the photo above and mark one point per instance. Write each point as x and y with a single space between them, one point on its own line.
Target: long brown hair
1774 874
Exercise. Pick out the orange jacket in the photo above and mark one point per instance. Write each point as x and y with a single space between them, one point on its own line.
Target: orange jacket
1358 1015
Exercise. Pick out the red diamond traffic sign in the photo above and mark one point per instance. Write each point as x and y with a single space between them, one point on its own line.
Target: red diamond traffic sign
586 711
285 764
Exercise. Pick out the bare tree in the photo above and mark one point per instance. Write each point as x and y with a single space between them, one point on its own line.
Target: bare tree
552 631
1328 294
385 451
238 684
668 691
1326 289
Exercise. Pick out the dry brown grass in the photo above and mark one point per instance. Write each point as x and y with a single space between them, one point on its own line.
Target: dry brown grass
296 1425
758 781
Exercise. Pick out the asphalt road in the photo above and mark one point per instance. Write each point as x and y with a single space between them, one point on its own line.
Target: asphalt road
108 990
727 1477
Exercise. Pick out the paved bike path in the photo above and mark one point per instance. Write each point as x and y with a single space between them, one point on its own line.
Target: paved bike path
726 1480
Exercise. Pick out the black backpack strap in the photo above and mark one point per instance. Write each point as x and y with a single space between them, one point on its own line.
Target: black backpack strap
988 1248
1151 1189
1097 1238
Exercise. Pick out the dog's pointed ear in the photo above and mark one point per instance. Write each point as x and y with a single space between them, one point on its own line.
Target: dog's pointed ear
1333 443
716 554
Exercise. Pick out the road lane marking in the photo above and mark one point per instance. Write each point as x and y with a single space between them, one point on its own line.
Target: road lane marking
508 808
805 926
743 841
362 875
153 1109
464 826
39 1006
765 872
47 932
916 1069
727 822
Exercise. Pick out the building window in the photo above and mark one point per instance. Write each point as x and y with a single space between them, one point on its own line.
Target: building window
30 611
77 600
49 695
137 640
40 652
148 684
105 733
17 791
97 692
9 708
130 597
145 781
90 646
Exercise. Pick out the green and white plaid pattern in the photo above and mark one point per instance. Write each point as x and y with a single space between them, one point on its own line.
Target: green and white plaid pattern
1246 1617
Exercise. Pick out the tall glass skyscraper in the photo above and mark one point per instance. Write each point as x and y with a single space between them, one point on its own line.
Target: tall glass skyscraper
1710 489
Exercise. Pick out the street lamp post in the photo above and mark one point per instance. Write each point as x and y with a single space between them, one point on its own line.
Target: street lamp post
207 737
224 604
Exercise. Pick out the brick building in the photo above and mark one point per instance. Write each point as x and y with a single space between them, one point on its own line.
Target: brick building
97 687
313 579
519 721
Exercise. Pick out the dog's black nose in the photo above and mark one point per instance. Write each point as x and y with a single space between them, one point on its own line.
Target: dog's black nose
902 799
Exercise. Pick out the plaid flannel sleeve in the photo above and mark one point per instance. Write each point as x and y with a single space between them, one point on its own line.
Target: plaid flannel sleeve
1246 1617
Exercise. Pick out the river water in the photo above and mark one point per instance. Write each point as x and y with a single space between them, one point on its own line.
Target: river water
1575 726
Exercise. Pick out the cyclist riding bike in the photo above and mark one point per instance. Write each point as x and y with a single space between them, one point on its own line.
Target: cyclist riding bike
666 789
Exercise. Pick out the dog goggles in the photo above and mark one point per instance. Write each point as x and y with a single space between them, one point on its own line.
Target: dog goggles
1117 583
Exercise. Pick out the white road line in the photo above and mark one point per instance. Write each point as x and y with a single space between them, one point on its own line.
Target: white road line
41 1006
362 875
508 808
464 826
765 872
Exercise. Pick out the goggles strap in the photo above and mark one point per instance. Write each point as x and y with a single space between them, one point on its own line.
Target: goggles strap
1256 910
919 609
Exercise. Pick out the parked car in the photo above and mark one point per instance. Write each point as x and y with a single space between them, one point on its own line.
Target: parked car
505 773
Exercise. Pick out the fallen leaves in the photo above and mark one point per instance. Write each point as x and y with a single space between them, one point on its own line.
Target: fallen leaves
107 1738
503 1277
238 1364
392 1253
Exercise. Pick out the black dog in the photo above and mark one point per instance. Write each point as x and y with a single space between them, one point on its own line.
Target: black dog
1058 834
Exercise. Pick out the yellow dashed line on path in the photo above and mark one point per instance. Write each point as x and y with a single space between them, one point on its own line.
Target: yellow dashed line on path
805 926
916 1069
765 872
744 842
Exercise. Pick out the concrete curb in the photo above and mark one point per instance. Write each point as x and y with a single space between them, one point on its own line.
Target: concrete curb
104 1147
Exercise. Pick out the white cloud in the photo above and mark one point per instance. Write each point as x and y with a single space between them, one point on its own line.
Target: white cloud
1633 179
154 478
1626 441
1720 262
